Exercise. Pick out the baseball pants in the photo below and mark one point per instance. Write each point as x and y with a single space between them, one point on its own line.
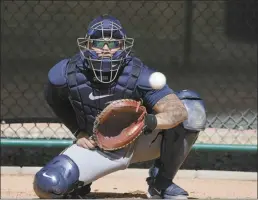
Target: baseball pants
94 164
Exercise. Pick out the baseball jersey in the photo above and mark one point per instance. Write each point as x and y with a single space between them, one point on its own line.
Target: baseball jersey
76 100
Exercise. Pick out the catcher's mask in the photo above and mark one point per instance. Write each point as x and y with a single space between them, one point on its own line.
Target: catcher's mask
105 31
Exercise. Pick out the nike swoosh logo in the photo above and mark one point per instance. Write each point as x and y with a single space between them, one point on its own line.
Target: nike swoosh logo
44 174
159 192
98 97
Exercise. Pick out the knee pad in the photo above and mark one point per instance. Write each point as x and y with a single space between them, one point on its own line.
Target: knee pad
59 177
196 110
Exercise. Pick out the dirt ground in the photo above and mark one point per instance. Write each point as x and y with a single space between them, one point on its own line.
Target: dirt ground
20 186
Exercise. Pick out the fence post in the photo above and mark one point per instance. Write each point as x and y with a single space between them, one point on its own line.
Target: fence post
188 32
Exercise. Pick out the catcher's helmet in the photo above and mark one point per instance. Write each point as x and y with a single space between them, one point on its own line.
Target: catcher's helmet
103 30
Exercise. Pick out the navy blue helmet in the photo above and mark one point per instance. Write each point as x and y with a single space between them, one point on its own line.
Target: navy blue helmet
105 47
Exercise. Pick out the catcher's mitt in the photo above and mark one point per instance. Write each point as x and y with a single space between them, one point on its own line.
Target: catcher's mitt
119 124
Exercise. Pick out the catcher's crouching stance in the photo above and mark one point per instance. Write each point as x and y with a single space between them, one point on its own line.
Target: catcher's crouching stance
103 96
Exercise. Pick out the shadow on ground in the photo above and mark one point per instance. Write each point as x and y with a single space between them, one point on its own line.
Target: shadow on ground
101 195
132 195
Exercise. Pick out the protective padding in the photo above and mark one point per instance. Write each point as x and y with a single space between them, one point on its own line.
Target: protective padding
194 105
57 178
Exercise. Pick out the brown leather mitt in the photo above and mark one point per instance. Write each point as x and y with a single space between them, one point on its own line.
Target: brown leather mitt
119 124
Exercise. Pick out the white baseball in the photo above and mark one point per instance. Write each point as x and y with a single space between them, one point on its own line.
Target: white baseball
157 80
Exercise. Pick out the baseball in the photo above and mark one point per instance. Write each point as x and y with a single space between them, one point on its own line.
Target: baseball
157 80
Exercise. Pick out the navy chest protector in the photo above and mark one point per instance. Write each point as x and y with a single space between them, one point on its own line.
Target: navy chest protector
88 100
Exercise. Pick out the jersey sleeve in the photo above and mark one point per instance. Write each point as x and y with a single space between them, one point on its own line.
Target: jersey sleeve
56 75
56 96
151 96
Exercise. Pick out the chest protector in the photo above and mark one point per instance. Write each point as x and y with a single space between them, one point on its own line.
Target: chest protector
88 100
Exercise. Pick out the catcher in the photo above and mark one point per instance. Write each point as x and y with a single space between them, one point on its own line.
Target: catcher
103 96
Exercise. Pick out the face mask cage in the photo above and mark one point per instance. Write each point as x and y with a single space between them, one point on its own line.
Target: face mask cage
105 68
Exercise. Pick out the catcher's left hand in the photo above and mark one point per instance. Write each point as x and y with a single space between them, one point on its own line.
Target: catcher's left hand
86 142
119 124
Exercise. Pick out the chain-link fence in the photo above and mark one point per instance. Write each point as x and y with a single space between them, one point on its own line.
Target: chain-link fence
207 46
